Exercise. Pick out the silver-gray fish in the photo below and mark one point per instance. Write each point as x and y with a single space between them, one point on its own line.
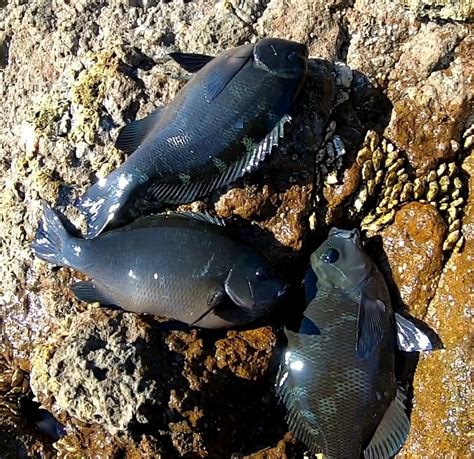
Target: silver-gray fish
180 266
337 379
220 126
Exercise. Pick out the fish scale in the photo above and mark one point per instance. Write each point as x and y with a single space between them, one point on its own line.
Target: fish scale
320 381
221 125
180 266
211 135
337 380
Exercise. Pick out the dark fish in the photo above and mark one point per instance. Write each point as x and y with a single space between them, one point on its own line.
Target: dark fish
221 125
337 379
49 425
180 266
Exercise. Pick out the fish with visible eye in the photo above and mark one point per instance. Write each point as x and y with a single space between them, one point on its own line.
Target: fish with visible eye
182 266
220 126
337 378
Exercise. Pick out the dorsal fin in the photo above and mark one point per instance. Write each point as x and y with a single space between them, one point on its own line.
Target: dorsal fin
191 62
134 134
178 193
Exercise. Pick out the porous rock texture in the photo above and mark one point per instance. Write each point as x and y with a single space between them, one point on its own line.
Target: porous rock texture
72 73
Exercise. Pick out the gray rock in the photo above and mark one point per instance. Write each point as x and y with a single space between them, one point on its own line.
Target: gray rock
97 373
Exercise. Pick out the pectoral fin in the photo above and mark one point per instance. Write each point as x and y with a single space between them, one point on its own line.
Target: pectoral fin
392 431
191 62
134 134
222 75
370 328
222 312
310 285
411 338
90 293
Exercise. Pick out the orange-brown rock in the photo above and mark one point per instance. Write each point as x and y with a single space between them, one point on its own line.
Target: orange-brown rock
247 354
413 245
443 407
245 202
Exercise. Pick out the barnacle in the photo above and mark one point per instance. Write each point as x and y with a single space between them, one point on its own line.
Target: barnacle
386 184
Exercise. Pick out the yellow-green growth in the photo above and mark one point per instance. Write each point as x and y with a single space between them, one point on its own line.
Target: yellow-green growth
45 115
88 94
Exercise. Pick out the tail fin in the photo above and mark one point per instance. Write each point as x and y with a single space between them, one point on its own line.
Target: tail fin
100 204
51 238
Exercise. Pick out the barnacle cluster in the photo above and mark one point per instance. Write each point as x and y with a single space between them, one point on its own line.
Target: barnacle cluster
330 156
387 180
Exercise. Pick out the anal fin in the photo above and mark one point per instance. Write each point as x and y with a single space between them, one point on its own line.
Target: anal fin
178 193
392 431
89 292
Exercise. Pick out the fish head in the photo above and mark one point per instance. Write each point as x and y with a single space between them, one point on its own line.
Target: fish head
253 285
340 261
282 58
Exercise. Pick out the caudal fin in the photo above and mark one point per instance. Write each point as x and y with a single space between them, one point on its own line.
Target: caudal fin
51 238
100 204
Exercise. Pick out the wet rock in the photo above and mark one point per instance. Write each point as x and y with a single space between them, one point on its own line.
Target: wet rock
73 73
413 245
16 442
307 21
338 193
110 374
285 449
429 115
248 203
442 408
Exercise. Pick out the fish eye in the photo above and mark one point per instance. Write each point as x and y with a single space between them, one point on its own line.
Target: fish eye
293 57
330 256
262 273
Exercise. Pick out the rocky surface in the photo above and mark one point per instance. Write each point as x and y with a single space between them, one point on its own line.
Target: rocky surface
413 245
72 73
174 391
442 384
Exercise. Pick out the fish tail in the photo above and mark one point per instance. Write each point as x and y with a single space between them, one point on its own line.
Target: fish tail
52 239
103 200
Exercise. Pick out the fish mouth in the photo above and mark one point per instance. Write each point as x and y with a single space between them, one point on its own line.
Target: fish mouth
353 235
